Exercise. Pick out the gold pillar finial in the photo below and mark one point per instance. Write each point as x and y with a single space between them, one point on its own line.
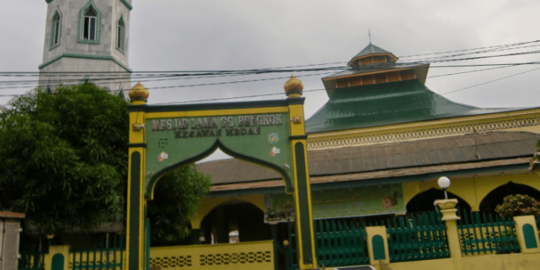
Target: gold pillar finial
138 94
293 87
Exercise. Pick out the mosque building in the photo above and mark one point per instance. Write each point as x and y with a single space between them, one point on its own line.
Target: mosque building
379 145
375 150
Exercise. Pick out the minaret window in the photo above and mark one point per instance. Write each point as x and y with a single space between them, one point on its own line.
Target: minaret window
120 34
90 25
55 30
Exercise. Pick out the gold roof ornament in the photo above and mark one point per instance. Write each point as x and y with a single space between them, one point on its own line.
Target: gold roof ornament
138 92
293 87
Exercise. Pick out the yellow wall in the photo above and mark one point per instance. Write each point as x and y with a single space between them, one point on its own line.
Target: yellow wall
241 256
502 262
208 204
472 190
516 261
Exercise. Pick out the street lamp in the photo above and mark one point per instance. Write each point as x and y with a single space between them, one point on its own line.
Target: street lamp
444 183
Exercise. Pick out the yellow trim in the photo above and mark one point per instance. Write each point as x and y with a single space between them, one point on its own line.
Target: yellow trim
372 73
520 222
136 136
468 120
297 209
372 232
297 205
297 129
313 251
472 190
142 201
208 113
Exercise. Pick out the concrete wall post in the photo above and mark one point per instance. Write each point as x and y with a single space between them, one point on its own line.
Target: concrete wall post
448 211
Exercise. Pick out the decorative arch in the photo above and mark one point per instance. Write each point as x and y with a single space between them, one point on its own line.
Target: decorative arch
269 133
90 6
120 34
240 215
210 204
217 144
496 196
56 30
423 201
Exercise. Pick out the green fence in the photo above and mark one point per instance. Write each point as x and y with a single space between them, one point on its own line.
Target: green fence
486 234
421 237
337 243
110 257
340 243
31 260
292 259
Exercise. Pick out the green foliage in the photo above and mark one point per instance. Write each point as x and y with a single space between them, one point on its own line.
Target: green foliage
64 157
176 198
64 163
518 205
535 160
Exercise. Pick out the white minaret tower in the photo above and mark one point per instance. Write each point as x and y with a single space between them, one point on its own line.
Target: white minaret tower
86 40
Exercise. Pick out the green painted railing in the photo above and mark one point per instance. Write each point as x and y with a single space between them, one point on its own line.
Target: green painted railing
340 243
31 260
292 260
422 237
486 234
105 258
337 243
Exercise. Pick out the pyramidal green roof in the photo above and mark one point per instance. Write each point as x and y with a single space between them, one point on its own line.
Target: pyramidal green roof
386 104
371 49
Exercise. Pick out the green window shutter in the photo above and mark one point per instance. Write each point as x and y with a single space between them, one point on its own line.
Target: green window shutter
57 262
378 247
528 235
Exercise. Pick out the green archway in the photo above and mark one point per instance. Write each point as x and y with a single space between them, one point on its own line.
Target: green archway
165 138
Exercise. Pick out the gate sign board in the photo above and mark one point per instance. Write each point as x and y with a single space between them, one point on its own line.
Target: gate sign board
165 138
252 136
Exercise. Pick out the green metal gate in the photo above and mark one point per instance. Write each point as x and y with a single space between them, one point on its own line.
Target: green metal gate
486 234
422 237
337 243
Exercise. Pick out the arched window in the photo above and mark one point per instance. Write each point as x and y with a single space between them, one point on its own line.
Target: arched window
55 30
496 196
89 23
120 34
423 202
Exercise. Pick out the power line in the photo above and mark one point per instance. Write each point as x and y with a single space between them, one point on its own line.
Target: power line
314 90
280 69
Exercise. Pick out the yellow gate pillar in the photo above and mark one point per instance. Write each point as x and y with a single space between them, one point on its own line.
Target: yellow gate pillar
307 258
448 212
136 240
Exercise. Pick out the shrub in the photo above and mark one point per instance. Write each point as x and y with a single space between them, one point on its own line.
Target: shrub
518 205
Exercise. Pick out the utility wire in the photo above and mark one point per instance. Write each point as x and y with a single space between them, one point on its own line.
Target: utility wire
265 70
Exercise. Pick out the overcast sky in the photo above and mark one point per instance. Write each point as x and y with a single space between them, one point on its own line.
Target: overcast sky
204 35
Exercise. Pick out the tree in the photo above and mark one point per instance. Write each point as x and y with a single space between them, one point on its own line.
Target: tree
64 160
169 220
518 205
535 160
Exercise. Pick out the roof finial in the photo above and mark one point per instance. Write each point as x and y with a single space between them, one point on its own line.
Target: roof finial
369 35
